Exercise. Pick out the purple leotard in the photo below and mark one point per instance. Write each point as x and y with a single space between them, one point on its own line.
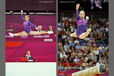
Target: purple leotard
27 25
81 28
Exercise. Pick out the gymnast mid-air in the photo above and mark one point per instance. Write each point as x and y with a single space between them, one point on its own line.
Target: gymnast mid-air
81 31
27 30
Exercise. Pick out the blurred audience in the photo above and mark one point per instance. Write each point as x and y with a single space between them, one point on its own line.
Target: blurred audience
93 50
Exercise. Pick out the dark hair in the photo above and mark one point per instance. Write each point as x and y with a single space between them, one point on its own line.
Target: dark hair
27 15
28 50
81 9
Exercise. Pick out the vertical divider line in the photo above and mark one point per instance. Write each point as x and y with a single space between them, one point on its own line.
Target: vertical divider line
56 38
2 37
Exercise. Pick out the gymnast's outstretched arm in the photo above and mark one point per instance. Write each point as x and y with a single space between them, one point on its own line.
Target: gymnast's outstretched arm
32 25
22 15
77 11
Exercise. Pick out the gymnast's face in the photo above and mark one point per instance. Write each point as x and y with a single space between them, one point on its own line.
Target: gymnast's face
82 14
26 18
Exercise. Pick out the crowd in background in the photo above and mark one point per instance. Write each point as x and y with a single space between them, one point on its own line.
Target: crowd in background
91 51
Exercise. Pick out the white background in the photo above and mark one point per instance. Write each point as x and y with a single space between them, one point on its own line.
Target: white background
30 69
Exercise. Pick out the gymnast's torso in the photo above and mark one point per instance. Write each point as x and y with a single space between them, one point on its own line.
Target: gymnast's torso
81 28
27 24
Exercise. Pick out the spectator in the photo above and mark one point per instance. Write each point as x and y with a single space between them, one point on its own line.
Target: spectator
75 52
28 55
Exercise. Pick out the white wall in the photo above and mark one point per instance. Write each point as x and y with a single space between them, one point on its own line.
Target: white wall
30 69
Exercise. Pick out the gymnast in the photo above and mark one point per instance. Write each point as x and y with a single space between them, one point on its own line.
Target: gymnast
27 29
81 31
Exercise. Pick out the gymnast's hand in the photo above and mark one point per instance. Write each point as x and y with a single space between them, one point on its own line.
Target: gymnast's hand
21 11
77 6
87 17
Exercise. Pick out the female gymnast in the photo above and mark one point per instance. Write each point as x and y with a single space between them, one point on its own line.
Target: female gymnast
27 28
81 31
27 24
